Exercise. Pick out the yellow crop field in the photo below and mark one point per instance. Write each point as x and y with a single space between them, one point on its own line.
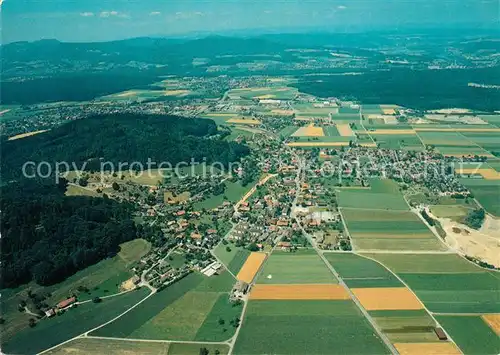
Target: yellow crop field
244 121
24 135
309 131
299 292
263 97
251 267
493 320
387 298
127 93
176 92
389 111
488 173
443 348
345 130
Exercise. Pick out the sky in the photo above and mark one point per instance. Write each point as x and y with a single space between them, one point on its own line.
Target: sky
92 20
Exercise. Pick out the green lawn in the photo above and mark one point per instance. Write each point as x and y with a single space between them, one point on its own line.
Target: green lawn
234 192
370 200
50 332
471 334
101 279
357 271
306 327
220 283
422 263
180 320
455 212
211 329
237 262
457 292
147 310
395 244
295 268
486 192
224 255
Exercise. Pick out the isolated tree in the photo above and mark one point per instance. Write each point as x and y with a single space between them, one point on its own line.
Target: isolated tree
204 351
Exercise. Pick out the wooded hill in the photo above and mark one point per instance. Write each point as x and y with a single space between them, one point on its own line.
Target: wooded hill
47 236
122 138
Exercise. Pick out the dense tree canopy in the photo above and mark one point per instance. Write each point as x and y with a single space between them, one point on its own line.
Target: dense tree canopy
122 138
47 236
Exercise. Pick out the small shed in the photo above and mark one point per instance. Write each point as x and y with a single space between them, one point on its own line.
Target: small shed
440 334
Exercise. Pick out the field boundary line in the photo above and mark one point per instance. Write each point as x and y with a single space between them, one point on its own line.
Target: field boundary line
155 340
413 292
84 334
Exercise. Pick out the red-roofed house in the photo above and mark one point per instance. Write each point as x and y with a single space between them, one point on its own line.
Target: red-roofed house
66 303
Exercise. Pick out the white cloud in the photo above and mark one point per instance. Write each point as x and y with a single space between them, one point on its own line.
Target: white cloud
87 14
154 13
341 7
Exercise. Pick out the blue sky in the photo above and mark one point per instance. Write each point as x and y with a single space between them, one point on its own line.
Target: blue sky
91 20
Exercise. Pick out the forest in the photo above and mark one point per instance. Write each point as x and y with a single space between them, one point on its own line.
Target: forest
47 236
122 138
417 89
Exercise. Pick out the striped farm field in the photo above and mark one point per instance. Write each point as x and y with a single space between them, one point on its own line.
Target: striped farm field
232 257
446 283
248 121
309 131
366 199
471 333
387 298
299 292
306 327
187 310
493 320
361 272
444 348
486 173
345 130
406 326
388 230
300 267
392 132
251 267
486 192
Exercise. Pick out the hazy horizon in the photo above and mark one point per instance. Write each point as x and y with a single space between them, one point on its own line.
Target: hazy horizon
88 21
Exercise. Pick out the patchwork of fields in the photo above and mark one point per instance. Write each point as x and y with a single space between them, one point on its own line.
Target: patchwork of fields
379 219
297 307
306 327
99 346
446 283
74 322
190 309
